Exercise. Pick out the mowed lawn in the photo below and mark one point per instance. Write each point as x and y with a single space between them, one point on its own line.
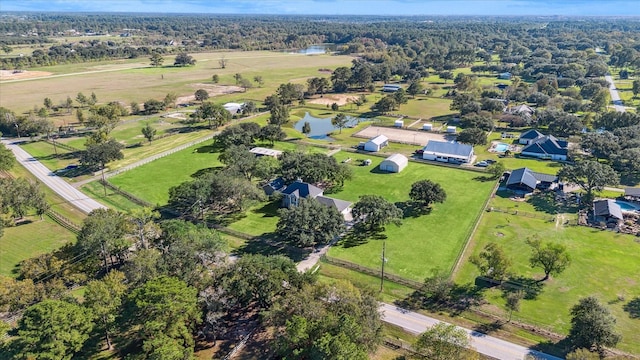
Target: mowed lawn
29 240
604 264
152 181
420 244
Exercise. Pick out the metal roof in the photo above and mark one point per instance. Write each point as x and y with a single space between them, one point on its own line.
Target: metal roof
338 204
632 191
398 159
531 134
522 176
379 140
302 190
547 144
265 151
607 207
448 148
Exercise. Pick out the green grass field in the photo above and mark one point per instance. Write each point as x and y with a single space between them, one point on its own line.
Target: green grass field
424 243
152 181
29 240
604 264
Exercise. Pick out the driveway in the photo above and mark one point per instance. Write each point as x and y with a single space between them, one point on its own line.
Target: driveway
615 97
51 180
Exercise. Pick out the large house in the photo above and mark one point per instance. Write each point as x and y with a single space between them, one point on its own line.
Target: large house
524 180
376 143
547 147
450 152
527 137
394 163
302 190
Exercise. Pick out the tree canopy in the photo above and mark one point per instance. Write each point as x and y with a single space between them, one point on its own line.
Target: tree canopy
426 192
309 223
374 212
592 325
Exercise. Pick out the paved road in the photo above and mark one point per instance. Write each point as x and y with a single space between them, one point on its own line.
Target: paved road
615 97
484 344
57 184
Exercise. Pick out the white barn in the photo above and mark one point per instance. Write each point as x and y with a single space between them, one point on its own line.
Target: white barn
451 152
394 163
427 127
376 143
398 123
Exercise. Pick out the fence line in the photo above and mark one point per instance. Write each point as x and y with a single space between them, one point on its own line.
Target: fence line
363 269
159 156
63 221
513 211
472 231
61 145
125 194
238 346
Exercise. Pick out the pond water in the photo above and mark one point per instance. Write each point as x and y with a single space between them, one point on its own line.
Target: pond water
320 127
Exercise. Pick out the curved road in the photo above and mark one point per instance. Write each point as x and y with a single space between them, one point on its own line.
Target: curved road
615 97
57 184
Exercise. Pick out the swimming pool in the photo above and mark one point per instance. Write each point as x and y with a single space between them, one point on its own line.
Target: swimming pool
501 147
625 206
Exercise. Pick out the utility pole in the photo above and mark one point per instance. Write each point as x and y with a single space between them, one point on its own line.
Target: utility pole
384 243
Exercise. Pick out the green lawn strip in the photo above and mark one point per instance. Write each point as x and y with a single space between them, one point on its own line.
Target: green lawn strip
45 153
29 240
151 182
95 190
258 220
420 244
76 142
390 291
604 265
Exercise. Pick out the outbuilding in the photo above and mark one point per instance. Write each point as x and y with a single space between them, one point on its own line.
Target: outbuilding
398 123
391 88
427 127
451 129
376 143
394 163
451 152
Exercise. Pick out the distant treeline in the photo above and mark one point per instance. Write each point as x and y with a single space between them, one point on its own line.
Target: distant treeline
432 41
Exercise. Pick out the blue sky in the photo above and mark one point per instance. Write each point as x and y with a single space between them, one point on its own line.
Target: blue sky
339 7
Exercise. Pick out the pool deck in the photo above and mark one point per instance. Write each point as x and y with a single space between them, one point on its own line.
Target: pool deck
511 147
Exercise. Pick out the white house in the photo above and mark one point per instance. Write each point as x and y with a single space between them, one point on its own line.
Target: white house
376 143
343 207
547 147
527 137
451 152
394 163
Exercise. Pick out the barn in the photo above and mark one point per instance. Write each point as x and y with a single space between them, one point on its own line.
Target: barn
394 163
376 143
451 152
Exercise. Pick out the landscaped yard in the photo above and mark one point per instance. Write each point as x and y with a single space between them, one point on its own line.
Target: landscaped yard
604 264
420 244
29 240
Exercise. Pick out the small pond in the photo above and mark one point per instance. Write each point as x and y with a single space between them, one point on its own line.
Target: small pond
317 49
320 127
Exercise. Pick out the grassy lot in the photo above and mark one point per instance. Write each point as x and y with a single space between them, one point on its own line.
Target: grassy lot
45 153
152 181
95 190
30 239
135 80
420 244
604 264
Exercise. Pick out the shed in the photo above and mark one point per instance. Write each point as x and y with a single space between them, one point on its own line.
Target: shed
260 151
451 129
427 127
607 210
376 143
504 76
398 123
391 87
394 163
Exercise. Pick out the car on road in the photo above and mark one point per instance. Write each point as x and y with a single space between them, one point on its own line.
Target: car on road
482 164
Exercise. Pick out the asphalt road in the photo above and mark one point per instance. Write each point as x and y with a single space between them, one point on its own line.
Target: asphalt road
615 97
482 343
48 178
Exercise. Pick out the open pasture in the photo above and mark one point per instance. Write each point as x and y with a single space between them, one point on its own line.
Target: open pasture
421 244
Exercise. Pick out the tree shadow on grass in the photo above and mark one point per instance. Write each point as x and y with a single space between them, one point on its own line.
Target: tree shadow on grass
206 171
484 178
559 349
633 308
412 209
460 298
268 244
209 149
531 287
359 235
490 327
544 202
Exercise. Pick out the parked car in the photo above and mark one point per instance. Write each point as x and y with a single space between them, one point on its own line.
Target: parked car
482 164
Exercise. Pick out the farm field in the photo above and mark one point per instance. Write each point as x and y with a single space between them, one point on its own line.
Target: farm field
604 264
420 244
125 80
29 240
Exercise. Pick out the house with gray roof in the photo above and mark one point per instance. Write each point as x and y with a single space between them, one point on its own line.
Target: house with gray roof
343 207
297 190
530 136
524 180
607 211
449 152
547 147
